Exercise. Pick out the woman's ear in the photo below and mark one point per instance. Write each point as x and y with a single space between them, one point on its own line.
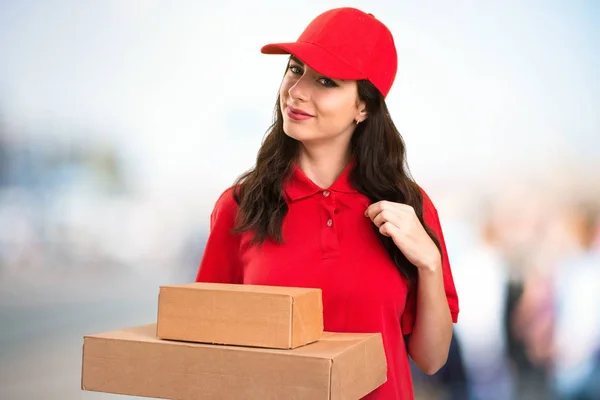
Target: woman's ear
362 111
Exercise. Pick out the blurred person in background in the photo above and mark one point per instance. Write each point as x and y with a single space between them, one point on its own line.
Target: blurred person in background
3 157
576 335
330 203
482 277
530 327
519 215
556 319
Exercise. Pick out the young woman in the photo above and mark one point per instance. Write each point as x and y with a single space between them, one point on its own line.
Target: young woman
329 203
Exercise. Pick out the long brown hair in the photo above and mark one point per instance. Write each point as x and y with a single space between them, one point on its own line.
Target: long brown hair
380 173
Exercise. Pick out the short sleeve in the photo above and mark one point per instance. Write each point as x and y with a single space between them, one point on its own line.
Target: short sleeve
221 258
431 219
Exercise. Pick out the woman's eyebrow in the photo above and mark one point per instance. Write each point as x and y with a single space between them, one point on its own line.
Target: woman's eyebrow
296 60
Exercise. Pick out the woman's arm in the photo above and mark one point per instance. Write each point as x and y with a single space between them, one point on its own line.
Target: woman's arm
432 306
220 261
429 342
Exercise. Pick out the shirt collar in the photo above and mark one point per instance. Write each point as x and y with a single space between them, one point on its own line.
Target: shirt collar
299 186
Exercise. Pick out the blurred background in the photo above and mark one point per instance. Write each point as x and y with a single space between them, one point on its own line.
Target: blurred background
121 121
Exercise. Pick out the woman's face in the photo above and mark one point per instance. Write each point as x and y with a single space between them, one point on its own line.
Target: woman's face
316 108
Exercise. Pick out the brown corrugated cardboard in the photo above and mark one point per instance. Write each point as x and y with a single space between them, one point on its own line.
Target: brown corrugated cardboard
244 315
135 362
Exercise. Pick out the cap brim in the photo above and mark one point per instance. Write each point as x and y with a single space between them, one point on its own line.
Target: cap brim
316 58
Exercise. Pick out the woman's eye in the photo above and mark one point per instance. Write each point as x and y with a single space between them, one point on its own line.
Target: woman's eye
327 82
295 69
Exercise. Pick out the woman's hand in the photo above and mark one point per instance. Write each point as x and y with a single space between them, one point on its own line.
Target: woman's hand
400 222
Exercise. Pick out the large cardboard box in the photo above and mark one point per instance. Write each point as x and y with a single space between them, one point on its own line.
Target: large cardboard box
135 362
244 315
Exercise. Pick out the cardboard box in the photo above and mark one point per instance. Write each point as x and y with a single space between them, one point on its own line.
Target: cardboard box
244 315
135 362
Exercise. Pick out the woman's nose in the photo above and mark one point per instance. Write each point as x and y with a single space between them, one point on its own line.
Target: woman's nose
300 90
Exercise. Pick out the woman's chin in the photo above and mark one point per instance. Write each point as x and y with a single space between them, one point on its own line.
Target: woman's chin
296 132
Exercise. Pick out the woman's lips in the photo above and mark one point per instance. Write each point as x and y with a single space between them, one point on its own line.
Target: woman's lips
296 114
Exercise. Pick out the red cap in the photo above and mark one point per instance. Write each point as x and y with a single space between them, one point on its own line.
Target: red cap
346 43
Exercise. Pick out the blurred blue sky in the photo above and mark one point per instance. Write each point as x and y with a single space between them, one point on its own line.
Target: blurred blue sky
180 86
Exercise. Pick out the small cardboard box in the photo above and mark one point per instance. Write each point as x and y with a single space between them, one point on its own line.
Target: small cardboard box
245 315
135 362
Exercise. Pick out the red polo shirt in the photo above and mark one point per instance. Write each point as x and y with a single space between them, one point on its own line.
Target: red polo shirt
329 244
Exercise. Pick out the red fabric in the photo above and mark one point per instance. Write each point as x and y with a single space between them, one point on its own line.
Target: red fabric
346 43
362 289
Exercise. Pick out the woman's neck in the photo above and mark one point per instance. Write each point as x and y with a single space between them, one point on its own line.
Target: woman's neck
323 165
